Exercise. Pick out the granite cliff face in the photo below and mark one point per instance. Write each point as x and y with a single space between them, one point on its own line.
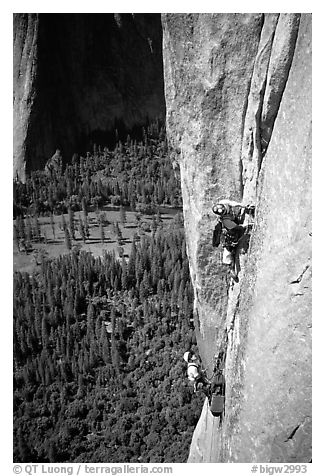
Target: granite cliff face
78 76
238 99
24 69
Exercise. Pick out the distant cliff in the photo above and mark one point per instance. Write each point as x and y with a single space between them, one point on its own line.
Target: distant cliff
79 76
238 99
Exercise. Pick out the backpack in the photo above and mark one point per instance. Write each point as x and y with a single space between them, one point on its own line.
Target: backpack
217 405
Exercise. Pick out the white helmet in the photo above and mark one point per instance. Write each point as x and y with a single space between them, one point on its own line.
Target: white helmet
186 356
219 209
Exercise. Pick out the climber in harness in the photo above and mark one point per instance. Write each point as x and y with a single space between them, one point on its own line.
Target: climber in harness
196 374
213 389
229 229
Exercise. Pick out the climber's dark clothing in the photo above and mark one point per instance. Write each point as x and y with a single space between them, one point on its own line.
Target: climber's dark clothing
203 385
217 232
232 236
228 233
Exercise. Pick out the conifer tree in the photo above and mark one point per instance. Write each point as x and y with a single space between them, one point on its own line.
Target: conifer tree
158 216
101 232
24 453
81 229
71 222
29 230
15 233
67 239
118 231
131 264
138 218
124 275
154 225
37 228
86 228
52 225
123 218
84 208
114 348
63 222
20 228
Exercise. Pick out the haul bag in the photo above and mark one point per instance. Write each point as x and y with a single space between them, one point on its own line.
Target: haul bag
217 404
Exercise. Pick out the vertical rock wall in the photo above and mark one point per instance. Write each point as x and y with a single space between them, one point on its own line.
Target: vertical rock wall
25 68
79 76
238 97
208 66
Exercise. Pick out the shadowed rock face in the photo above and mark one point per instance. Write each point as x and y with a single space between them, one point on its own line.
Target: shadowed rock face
78 76
238 99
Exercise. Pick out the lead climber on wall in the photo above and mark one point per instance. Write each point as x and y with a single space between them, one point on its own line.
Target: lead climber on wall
196 374
229 229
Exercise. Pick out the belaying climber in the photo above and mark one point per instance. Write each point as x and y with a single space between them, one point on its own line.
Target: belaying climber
230 229
214 389
196 374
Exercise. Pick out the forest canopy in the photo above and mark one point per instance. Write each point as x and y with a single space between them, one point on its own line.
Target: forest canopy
98 341
138 174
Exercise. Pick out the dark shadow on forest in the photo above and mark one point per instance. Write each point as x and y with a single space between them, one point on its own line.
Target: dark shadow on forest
95 241
111 208
54 242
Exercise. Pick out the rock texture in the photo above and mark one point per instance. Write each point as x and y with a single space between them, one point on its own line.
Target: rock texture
79 76
238 97
24 68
